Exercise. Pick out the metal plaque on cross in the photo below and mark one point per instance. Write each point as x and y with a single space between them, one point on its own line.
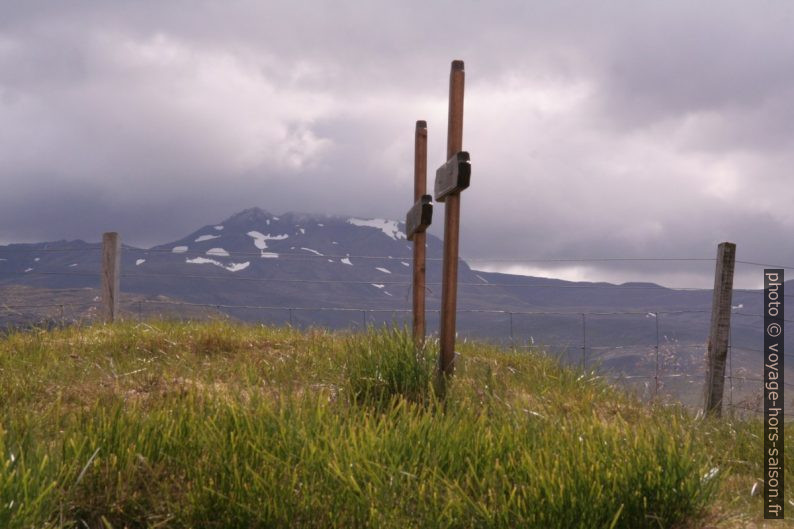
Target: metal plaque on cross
419 216
454 176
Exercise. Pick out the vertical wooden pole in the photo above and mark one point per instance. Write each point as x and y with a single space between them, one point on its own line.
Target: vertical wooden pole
584 341
111 259
420 238
449 285
730 370
720 328
656 372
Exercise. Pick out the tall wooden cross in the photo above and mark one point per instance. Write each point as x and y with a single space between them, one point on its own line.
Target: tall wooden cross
452 178
417 220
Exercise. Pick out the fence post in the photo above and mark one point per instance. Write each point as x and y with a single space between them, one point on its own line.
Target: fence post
720 328
656 373
111 266
730 369
584 341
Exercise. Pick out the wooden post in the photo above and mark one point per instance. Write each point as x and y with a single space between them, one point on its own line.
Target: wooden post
416 223
656 371
720 328
584 341
111 259
449 284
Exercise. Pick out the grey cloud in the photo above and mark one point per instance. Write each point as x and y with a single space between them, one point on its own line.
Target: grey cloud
620 129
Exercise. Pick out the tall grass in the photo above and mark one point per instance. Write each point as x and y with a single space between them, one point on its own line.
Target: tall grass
302 463
386 364
178 425
28 483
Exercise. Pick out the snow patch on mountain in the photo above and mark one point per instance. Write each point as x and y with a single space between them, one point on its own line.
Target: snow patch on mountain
220 252
376 285
391 228
404 263
346 261
179 249
312 251
203 238
202 260
139 262
219 228
236 267
385 271
231 267
260 239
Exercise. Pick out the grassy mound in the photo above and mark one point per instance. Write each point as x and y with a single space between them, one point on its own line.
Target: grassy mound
216 425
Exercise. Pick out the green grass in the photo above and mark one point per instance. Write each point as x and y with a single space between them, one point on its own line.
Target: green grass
216 425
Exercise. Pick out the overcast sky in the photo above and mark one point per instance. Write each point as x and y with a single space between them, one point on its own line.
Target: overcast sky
596 129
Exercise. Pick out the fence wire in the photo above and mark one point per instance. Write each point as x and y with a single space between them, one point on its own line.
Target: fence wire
590 355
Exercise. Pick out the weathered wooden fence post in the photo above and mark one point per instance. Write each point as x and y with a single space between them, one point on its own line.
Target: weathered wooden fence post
719 331
451 178
111 267
417 220
656 370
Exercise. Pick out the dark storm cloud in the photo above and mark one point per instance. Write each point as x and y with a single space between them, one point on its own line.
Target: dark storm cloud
622 129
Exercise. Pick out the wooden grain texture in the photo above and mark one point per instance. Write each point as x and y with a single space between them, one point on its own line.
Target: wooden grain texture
449 284
453 177
111 268
419 217
420 237
719 331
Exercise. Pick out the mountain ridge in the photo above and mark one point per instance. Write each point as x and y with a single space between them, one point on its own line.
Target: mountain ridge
254 258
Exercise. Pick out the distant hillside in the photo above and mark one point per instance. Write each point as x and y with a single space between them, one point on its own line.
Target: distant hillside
257 259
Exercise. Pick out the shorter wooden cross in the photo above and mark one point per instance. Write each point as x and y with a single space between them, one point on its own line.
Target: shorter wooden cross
417 220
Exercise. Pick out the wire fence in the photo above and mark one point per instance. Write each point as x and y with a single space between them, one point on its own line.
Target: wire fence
657 366
310 256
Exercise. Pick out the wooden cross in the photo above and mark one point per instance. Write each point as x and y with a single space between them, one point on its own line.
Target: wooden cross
417 220
452 178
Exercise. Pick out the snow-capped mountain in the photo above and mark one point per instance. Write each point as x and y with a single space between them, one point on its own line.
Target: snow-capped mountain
315 262
253 258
